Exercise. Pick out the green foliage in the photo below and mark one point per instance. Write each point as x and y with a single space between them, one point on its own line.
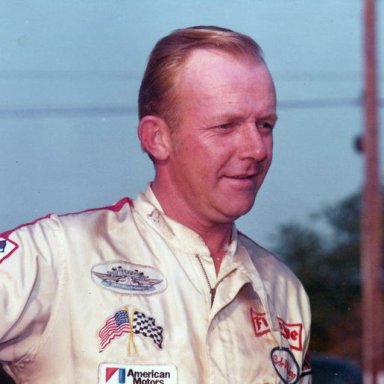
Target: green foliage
328 266
344 219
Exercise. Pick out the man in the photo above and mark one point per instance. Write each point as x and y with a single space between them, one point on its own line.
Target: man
164 289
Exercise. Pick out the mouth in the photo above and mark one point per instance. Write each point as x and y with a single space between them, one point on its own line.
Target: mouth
250 176
243 182
242 177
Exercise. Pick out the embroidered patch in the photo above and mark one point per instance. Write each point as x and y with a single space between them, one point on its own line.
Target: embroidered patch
291 332
133 322
259 323
128 278
7 247
285 365
137 374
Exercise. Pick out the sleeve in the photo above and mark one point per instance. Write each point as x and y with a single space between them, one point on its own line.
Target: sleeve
306 369
30 270
306 372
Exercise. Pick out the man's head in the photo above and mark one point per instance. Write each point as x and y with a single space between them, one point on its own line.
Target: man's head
159 88
210 130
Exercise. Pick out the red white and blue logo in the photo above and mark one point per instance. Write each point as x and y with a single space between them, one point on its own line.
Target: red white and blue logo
7 247
137 374
115 375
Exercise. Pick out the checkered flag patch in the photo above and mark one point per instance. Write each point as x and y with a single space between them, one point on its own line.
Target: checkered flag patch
146 326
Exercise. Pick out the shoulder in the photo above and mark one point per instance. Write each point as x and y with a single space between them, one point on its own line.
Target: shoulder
53 221
260 256
281 284
42 232
114 212
27 236
272 269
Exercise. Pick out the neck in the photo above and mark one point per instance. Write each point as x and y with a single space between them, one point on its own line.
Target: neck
217 236
217 241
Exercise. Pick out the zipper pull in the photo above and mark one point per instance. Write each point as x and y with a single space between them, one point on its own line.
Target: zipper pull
212 291
213 294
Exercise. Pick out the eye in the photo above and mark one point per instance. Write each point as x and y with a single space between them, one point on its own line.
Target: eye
229 125
265 125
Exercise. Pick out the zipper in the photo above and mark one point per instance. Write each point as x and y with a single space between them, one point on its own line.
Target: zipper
212 290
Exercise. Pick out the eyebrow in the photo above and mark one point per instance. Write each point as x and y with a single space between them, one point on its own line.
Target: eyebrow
272 116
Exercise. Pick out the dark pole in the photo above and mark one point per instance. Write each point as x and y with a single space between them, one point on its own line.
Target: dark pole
371 245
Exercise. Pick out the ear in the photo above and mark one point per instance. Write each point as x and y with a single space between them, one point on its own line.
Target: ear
154 137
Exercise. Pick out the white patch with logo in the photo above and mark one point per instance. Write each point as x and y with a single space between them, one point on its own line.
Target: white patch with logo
285 365
137 374
128 278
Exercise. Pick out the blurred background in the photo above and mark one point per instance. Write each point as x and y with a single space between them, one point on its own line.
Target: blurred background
69 77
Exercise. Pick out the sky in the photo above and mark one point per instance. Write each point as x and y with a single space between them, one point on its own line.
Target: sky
69 77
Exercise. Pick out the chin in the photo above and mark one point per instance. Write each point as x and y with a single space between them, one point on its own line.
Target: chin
234 214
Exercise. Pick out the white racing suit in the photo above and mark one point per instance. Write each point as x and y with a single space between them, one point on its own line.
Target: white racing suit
124 294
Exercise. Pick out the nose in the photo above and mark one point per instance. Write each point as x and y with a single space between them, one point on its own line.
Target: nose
255 144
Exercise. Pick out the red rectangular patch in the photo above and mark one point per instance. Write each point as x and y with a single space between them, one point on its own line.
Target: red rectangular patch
291 332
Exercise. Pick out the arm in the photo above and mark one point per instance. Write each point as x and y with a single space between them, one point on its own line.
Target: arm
28 282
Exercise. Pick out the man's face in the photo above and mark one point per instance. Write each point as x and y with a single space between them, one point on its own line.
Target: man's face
222 148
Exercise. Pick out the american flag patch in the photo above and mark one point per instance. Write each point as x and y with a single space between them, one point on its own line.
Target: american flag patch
114 327
120 323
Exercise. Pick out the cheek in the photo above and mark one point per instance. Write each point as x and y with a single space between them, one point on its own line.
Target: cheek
192 161
268 144
199 152
203 157
268 161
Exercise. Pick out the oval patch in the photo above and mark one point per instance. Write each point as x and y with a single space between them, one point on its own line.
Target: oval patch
285 365
128 278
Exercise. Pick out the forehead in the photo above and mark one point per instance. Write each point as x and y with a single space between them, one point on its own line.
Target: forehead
216 79
206 63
